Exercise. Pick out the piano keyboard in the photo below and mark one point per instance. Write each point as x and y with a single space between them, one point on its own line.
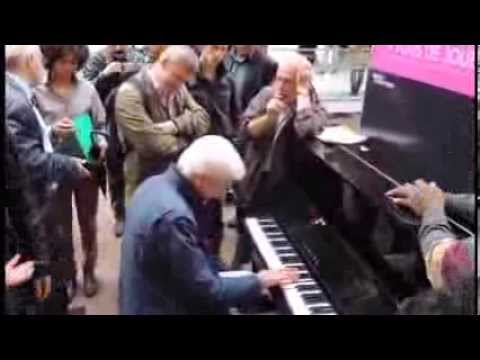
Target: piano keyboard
304 297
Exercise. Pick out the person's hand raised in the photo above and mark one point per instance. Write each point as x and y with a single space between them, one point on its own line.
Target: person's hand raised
275 107
17 274
63 129
304 78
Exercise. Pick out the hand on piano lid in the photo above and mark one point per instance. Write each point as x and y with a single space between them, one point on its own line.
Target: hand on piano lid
274 278
420 197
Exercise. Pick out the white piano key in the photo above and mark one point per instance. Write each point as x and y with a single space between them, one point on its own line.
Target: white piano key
273 234
324 305
295 302
293 296
263 245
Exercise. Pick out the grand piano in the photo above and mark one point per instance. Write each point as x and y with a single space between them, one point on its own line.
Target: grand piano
358 253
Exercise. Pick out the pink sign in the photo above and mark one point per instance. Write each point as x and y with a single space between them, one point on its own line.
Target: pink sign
450 67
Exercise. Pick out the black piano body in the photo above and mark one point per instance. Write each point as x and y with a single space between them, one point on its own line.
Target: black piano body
361 249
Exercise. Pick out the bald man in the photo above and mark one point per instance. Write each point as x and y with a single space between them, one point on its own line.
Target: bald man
289 108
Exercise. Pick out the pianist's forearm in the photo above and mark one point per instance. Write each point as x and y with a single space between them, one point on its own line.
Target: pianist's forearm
434 229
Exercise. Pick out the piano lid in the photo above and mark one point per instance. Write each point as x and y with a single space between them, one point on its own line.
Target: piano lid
419 114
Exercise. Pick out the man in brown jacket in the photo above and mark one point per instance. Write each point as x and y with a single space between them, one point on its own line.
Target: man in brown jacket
157 117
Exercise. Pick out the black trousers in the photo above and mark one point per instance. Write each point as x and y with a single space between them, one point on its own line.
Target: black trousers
211 226
116 185
22 301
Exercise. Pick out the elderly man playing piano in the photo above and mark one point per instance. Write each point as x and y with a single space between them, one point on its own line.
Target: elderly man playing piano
449 261
289 108
164 270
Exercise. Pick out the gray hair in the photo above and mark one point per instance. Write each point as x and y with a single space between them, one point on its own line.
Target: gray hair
213 156
16 54
181 54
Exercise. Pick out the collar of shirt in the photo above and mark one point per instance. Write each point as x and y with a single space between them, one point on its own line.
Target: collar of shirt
186 188
240 59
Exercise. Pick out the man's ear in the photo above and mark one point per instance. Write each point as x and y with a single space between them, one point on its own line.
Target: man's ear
30 61
202 180
198 181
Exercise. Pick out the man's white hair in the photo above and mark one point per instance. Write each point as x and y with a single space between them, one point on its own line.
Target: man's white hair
16 54
181 54
292 60
213 156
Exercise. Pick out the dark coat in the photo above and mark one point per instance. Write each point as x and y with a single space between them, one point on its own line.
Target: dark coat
163 268
218 99
250 76
43 168
21 209
22 230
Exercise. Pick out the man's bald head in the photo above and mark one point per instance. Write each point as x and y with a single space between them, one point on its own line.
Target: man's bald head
175 66
290 67
293 62
25 61
15 55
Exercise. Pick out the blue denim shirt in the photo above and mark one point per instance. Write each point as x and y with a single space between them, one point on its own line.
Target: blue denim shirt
163 268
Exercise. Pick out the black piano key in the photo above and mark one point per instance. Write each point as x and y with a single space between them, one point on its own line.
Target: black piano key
286 252
290 259
279 243
270 228
321 310
275 236
305 277
298 267
314 298
305 288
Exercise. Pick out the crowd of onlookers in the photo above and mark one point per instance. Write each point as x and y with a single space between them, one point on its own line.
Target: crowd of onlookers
172 129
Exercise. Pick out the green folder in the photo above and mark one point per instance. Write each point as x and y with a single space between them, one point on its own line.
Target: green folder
83 132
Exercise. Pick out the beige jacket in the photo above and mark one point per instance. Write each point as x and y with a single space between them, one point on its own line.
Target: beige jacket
155 134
